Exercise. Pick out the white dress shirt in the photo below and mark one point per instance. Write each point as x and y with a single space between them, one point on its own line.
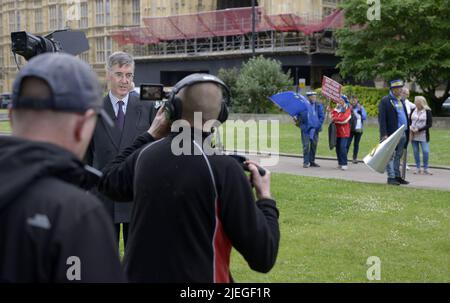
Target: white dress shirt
115 104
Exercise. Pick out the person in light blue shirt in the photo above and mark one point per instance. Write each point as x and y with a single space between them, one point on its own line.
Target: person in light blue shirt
359 116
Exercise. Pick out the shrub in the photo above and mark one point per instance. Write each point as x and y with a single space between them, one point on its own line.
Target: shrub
251 86
229 76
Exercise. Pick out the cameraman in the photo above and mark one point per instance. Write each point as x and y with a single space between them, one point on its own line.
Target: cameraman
192 208
50 229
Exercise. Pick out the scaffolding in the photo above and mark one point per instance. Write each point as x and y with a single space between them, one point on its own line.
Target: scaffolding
230 31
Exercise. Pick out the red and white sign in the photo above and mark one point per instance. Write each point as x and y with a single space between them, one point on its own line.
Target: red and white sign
331 89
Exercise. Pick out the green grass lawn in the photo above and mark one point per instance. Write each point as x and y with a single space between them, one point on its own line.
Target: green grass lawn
290 142
4 126
328 233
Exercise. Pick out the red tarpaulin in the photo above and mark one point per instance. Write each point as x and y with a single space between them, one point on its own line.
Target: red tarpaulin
228 22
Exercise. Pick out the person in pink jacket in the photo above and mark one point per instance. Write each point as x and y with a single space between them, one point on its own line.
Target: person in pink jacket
341 116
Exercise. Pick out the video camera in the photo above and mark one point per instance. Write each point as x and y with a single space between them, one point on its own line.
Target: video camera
28 45
242 159
152 92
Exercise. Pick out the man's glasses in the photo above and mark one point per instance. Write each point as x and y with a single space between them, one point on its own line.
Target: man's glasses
119 76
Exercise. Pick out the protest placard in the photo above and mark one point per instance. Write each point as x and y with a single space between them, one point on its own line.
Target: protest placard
331 89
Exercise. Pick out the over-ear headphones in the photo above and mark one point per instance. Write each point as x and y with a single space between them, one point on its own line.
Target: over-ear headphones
174 106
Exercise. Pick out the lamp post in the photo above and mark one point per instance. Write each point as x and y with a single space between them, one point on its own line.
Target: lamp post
253 27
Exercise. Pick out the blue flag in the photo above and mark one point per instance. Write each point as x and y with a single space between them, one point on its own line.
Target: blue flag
291 102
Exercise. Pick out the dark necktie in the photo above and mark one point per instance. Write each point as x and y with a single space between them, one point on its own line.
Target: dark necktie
120 116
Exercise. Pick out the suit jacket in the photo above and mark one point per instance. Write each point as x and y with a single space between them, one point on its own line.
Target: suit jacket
388 119
107 142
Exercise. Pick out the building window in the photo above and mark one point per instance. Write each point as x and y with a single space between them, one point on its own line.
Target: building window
99 12
108 47
18 23
1 56
12 62
136 11
102 12
11 5
55 17
200 5
84 15
12 21
1 24
100 50
37 3
38 25
60 17
108 12
85 56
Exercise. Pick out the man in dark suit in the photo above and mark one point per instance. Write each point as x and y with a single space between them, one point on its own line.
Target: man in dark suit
392 115
132 117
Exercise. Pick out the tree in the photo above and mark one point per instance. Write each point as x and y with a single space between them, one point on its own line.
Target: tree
411 40
229 77
258 79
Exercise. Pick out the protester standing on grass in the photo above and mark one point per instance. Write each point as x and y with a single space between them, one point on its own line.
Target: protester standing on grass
409 105
421 122
341 116
392 114
409 108
310 123
360 116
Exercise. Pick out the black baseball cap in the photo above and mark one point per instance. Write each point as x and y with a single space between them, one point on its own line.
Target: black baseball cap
74 85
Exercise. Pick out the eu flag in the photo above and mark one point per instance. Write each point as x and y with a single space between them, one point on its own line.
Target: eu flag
291 102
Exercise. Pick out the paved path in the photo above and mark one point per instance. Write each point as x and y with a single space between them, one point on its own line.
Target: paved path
358 172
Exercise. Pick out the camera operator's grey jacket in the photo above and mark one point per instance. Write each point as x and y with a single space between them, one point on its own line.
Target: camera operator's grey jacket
107 142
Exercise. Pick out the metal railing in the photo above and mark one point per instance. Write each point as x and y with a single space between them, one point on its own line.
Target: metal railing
265 42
